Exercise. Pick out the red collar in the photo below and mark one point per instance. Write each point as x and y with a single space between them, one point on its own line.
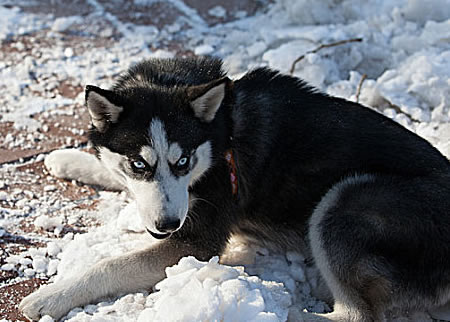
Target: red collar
233 173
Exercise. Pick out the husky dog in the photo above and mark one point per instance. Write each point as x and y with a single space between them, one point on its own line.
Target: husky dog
270 157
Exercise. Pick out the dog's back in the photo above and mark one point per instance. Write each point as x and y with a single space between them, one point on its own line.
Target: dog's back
303 142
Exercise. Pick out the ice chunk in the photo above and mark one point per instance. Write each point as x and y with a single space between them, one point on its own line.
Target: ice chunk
218 12
203 50
29 272
424 10
46 318
8 267
53 249
47 222
52 267
40 264
64 23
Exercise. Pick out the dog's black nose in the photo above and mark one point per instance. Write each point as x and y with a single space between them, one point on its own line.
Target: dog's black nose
167 225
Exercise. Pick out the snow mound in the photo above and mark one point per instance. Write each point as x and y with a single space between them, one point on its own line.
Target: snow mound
222 293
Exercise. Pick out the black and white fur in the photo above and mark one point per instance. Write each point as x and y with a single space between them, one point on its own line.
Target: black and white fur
367 200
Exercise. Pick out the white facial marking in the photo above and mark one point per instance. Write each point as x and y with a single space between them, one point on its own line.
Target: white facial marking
149 155
175 153
203 156
166 197
158 137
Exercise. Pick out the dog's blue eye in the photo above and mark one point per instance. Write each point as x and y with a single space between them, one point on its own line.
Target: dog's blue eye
182 162
138 164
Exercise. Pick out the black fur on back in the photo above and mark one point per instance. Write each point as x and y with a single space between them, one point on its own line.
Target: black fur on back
283 126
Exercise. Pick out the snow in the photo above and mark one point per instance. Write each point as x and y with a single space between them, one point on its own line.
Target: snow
7 267
46 222
64 23
203 50
423 11
218 11
29 272
405 55
39 264
221 293
46 318
12 20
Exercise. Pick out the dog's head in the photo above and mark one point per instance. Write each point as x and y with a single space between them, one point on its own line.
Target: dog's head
157 141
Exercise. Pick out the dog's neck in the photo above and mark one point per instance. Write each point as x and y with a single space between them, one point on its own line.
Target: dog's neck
249 146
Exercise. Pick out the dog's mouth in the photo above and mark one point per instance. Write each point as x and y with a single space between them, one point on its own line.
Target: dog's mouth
158 236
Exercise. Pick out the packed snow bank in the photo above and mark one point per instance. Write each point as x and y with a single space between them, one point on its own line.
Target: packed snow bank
213 292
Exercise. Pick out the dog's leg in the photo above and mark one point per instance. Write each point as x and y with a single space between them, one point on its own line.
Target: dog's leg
351 302
81 166
377 243
441 313
128 273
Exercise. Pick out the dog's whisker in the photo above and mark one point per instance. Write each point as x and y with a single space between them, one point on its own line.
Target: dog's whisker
204 200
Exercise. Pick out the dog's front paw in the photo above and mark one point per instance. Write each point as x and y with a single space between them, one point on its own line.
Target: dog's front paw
54 300
69 164
82 167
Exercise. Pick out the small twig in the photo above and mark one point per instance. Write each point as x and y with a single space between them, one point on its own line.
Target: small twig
398 110
333 44
360 84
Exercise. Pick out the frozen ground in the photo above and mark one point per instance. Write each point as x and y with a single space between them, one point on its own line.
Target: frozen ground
51 229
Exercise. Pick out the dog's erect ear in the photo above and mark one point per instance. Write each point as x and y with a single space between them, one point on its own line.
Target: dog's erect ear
101 108
206 99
